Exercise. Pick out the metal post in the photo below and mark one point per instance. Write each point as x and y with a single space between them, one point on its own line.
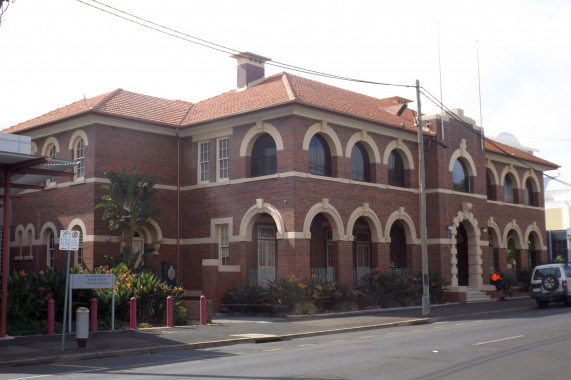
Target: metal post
202 310
93 314
51 317
65 300
169 312
133 313
422 186
5 255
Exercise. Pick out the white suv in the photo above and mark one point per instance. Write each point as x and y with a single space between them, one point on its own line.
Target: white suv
549 283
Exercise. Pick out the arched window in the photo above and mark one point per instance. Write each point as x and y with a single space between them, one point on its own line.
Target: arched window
360 168
396 169
398 248
508 190
460 177
264 156
529 193
51 152
79 156
319 156
490 187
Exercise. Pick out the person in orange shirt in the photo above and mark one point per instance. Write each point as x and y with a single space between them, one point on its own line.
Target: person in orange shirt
496 280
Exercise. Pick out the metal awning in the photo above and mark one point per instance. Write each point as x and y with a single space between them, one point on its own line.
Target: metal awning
19 172
28 171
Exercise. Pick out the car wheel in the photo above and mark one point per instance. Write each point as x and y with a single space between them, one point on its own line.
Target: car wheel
542 304
549 283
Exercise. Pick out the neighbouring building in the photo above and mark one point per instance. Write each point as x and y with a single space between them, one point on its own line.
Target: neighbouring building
282 176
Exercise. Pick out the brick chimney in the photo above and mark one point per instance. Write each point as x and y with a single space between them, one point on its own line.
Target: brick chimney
251 67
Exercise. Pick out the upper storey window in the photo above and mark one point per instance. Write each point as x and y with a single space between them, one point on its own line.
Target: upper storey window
223 159
360 167
460 177
79 156
529 199
204 161
508 190
396 169
264 156
319 156
490 191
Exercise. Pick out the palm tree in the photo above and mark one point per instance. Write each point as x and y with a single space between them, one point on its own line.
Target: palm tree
127 205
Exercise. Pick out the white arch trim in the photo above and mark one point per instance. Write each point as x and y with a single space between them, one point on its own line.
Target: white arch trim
494 172
48 226
331 214
492 225
249 218
327 132
50 141
510 169
250 137
375 225
81 225
462 152
512 226
33 147
401 214
400 145
533 228
75 136
530 174
369 143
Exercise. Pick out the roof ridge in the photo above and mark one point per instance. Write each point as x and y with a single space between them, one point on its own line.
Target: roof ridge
288 86
106 99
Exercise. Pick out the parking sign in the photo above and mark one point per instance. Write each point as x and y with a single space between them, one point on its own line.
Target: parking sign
69 240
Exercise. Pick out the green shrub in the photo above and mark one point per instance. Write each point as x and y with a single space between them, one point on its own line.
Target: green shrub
244 294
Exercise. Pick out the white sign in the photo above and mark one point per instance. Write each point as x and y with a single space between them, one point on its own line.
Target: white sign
92 281
69 240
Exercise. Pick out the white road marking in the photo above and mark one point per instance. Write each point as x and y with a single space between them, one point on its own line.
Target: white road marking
499 340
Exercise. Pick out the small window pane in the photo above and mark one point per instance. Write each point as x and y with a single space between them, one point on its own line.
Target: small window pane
264 156
508 190
460 178
396 169
319 156
360 168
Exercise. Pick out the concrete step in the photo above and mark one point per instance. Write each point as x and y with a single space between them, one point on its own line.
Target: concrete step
474 295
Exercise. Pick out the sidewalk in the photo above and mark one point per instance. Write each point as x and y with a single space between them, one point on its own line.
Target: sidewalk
226 330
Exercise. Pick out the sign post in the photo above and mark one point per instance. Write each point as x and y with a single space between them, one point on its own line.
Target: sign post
67 240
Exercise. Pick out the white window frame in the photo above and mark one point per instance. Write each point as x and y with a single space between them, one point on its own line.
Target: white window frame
79 155
223 244
203 162
78 255
223 159
51 152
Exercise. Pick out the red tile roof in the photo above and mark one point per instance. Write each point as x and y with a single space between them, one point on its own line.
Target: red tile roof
285 88
118 103
506 150
279 89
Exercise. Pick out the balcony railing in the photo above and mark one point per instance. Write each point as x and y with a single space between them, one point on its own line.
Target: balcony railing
400 272
261 276
324 274
358 274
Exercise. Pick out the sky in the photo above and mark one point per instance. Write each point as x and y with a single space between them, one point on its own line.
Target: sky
506 63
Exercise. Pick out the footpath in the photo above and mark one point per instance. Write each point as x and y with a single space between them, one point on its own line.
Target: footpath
225 330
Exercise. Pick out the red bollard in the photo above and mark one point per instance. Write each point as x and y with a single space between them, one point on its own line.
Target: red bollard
202 310
169 311
133 322
93 314
51 316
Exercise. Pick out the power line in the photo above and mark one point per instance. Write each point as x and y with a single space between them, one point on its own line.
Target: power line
434 100
221 48
224 49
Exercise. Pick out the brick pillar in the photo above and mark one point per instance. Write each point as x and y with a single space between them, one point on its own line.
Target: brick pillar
344 262
293 257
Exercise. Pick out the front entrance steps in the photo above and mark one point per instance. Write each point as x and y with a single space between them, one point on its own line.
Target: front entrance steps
474 295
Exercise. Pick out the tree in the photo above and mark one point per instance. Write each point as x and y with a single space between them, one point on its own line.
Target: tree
127 205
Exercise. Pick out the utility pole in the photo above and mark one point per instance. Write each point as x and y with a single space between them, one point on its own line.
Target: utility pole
422 186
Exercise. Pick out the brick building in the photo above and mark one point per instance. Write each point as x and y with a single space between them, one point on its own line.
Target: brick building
282 176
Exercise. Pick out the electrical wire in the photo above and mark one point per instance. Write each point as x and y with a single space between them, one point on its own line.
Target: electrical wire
435 101
224 49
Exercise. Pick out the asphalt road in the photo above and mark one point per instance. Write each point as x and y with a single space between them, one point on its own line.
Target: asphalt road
529 344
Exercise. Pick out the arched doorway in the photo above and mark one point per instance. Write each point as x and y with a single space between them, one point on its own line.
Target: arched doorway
398 259
361 250
265 250
321 259
462 256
